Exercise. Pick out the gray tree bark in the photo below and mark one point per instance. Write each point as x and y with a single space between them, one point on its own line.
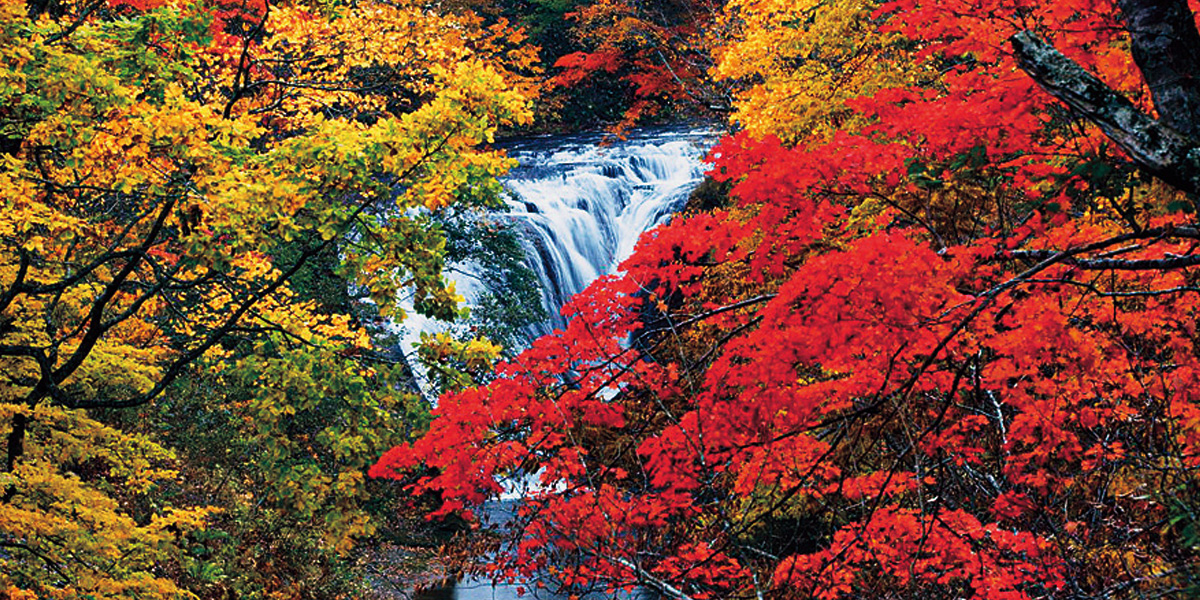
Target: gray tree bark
1166 48
1154 144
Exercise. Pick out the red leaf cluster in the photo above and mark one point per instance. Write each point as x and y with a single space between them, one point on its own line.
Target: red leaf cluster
940 354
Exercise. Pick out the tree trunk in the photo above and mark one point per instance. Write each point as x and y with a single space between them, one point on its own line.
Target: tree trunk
1166 48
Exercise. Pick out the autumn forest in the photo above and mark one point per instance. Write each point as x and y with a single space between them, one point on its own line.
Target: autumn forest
926 329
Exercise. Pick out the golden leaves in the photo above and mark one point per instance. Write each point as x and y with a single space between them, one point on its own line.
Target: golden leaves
169 178
803 60
61 508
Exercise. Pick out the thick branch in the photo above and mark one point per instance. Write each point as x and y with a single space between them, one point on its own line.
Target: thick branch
1153 145
648 579
1113 264
11 293
1166 48
178 366
79 275
242 77
230 323
1106 262
96 315
16 446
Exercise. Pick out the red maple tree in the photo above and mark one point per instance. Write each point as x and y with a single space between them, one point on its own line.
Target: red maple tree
947 352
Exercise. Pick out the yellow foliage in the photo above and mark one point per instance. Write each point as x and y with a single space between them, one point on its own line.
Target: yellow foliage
68 499
168 177
803 60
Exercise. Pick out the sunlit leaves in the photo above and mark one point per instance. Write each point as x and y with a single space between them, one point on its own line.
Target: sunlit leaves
934 345
166 170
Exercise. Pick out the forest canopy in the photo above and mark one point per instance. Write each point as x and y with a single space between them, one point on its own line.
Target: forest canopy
931 333
189 193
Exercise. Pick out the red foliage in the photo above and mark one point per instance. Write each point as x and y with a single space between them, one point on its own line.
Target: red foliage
579 66
806 394
658 51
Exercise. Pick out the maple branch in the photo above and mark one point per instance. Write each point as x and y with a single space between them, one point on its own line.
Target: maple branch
1105 260
1154 145
705 315
1113 264
984 300
1183 289
646 578
981 302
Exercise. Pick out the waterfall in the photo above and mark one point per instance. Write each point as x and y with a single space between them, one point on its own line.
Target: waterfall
580 207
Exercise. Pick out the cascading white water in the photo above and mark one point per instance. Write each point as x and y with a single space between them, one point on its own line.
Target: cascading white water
580 207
